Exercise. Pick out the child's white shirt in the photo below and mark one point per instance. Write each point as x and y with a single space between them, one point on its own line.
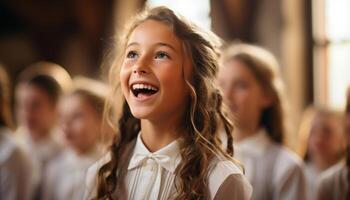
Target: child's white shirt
333 183
41 154
65 176
152 175
311 176
16 178
274 171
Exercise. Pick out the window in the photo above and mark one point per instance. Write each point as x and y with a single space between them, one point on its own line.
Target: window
198 11
331 32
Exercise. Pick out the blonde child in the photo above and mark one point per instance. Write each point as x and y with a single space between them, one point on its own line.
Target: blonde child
249 79
80 119
37 94
325 144
166 144
334 184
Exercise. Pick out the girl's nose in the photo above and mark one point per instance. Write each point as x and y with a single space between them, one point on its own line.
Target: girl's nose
64 126
141 66
139 71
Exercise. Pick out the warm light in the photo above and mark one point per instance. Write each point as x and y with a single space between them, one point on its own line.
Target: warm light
198 11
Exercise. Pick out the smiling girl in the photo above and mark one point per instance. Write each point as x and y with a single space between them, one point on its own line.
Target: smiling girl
166 144
334 183
80 120
252 90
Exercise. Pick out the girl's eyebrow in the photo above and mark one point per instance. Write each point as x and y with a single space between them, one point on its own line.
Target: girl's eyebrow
167 45
157 44
132 44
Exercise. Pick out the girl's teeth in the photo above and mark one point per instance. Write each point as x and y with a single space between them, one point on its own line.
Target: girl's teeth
143 86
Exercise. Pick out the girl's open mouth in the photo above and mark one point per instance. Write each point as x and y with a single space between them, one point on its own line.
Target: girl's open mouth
143 90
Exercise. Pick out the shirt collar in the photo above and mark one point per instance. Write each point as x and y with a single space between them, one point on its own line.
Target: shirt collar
168 157
44 149
260 141
82 161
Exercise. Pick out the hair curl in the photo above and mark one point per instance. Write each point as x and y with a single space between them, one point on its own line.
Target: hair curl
347 129
5 111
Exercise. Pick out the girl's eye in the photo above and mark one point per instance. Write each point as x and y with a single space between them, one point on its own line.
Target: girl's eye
241 85
162 55
78 116
131 55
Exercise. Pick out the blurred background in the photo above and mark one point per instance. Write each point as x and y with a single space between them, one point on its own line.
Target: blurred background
310 38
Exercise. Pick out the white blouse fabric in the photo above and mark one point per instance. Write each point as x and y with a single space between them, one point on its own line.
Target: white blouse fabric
65 176
15 169
333 183
41 153
274 172
151 175
311 176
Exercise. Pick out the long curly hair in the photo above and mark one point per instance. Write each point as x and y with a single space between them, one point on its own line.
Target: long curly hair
205 116
265 69
5 112
347 130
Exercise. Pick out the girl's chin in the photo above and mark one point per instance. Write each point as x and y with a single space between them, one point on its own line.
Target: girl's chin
141 114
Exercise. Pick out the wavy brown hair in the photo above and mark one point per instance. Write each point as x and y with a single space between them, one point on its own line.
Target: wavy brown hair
5 112
264 68
347 130
204 119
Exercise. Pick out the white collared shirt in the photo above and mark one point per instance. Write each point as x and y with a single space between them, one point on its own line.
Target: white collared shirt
333 183
158 168
152 175
41 153
311 176
65 176
43 150
15 169
274 171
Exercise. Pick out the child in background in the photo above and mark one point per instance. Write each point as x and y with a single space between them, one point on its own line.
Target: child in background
15 166
252 90
37 95
80 118
326 144
334 184
166 144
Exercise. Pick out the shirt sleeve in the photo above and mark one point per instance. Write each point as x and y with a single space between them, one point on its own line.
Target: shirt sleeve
291 185
15 177
323 192
333 183
235 187
49 181
90 190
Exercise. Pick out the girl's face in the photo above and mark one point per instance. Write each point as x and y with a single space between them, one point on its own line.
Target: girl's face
242 93
326 139
152 72
35 111
79 123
